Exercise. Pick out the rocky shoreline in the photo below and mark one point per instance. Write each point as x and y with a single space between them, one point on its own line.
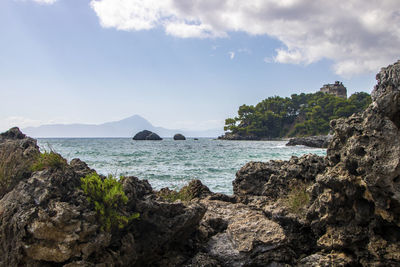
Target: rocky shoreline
319 141
338 210
237 137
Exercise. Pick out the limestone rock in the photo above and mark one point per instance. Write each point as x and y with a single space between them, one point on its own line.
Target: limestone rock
273 178
320 141
238 235
17 154
356 205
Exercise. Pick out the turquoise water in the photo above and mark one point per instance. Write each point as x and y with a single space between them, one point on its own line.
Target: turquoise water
170 163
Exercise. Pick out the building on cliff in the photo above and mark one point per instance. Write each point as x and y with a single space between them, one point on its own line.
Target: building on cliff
336 88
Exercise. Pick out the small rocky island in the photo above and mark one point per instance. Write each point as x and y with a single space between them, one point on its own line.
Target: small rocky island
146 135
339 210
179 136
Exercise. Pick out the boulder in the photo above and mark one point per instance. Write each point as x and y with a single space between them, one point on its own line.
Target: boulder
17 154
146 135
237 235
273 178
153 136
320 141
179 137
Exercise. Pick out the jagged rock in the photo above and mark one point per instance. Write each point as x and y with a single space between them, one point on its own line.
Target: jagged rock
327 260
80 167
273 178
179 137
320 141
204 260
353 216
240 236
356 204
17 154
197 190
45 218
146 135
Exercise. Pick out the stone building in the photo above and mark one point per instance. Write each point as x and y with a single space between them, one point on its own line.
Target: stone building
336 88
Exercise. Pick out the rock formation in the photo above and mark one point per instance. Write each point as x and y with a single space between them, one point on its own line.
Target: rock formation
146 135
320 141
342 210
338 210
179 137
356 202
17 154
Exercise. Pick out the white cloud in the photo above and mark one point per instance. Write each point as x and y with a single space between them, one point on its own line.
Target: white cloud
357 35
231 55
46 2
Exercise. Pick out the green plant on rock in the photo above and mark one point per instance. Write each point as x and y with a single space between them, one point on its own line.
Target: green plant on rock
298 198
49 160
107 196
184 194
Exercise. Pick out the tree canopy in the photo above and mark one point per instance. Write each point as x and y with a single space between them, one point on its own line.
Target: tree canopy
298 115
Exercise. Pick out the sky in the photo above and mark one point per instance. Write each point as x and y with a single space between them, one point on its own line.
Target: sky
182 64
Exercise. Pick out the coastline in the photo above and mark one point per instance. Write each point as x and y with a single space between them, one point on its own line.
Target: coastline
338 210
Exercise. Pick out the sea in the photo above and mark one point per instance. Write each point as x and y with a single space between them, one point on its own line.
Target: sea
170 163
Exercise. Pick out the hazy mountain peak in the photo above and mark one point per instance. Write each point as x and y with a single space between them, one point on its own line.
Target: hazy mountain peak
126 127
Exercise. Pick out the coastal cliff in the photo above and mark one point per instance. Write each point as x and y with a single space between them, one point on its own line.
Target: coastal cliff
338 210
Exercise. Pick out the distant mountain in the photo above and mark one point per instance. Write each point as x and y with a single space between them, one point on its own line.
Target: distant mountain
124 128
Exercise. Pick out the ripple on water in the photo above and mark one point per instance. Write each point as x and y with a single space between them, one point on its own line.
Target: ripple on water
170 163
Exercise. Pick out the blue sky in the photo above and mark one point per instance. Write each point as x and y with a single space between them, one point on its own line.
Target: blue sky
180 64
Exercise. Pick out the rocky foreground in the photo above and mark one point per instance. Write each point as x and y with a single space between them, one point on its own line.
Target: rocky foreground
338 210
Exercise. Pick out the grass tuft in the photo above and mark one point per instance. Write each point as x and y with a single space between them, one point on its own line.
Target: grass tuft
184 194
298 198
49 160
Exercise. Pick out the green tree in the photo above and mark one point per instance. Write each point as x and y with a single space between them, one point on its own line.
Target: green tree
299 115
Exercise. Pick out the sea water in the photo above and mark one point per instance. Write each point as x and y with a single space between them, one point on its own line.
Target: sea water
170 163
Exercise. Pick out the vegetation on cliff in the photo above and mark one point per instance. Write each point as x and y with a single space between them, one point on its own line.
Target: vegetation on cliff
298 115
107 196
49 160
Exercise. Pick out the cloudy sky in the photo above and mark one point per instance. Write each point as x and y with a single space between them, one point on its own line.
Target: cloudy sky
182 63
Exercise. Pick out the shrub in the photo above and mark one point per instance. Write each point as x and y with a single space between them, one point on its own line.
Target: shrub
184 194
298 198
107 196
49 160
